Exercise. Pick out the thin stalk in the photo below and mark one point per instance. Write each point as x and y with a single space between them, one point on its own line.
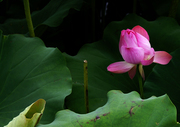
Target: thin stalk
173 8
134 6
28 18
86 86
140 84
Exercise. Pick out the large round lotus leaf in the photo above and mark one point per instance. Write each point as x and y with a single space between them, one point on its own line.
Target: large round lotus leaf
122 110
51 15
164 36
29 71
165 79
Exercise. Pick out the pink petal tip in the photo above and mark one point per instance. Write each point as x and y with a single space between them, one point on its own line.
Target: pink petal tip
141 31
120 67
162 57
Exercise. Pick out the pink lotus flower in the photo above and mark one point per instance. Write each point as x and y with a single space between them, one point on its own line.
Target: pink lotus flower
135 48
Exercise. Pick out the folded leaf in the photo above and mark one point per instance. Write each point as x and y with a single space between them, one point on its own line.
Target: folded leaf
30 116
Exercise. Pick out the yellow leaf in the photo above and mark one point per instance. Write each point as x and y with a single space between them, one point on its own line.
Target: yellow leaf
30 116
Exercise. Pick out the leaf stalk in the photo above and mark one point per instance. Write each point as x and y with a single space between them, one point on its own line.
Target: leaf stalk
86 86
28 18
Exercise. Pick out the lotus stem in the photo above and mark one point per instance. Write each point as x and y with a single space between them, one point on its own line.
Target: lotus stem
86 86
28 18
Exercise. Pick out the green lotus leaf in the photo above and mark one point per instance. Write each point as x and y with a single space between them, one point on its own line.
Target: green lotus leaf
30 71
122 110
165 79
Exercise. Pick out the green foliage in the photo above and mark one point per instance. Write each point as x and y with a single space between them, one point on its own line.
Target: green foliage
163 36
162 8
30 71
51 15
165 79
122 110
